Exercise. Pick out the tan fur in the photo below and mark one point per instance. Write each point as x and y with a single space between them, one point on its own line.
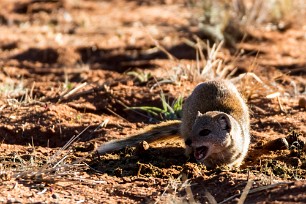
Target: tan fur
209 101
215 126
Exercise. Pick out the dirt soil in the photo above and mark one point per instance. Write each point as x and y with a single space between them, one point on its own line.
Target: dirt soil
49 48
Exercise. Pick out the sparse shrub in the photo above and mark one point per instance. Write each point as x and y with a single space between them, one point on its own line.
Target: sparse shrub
167 112
141 76
229 20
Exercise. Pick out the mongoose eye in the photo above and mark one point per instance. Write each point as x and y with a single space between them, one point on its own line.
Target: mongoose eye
204 132
188 142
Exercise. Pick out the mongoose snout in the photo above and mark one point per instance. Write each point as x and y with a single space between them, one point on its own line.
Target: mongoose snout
200 153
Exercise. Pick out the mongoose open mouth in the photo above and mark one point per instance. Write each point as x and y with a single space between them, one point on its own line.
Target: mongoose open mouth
200 152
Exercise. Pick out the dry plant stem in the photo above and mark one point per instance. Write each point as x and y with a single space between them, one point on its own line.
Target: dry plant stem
71 92
170 56
103 124
273 95
210 198
258 189
188 190
32 89
280 105
251 74
158 200
212 63
103 87
245 192
139 170
66 146
116 114
176 184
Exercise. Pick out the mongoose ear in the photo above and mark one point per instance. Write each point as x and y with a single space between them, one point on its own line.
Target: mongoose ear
224 122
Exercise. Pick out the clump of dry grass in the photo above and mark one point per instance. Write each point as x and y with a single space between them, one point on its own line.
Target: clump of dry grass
61 166
12 88
15 93
172 190
207 65
229 20
210 66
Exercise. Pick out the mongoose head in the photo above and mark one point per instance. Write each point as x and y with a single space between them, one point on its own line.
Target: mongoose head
211 134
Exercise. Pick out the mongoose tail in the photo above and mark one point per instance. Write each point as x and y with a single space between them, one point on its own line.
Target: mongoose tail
154 133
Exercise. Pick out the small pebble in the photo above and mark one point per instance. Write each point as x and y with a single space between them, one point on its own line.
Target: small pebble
143 146
278 144
302 102
54 196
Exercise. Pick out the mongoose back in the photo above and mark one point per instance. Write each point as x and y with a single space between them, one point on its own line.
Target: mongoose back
215 126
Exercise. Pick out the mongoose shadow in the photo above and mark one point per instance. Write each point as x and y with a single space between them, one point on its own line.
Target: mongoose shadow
155 161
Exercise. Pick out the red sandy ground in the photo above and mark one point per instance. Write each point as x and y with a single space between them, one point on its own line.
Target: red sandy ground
49 47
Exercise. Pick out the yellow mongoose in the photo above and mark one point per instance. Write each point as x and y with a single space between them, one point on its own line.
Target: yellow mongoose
215 126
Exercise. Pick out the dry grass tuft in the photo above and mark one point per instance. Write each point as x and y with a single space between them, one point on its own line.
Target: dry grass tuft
61 166
172 190
230 20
